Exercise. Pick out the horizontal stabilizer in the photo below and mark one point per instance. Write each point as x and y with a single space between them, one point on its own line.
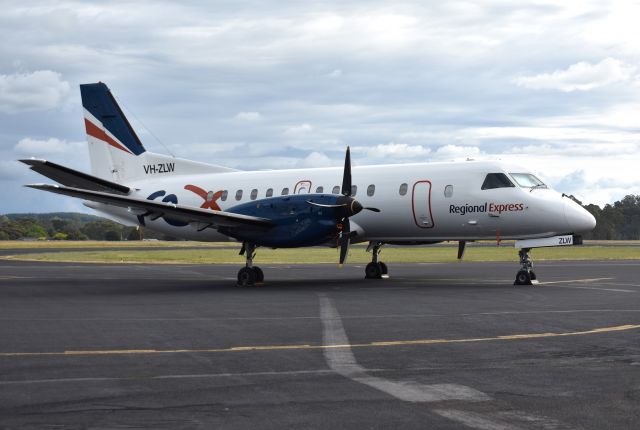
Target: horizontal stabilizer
203 217
73 178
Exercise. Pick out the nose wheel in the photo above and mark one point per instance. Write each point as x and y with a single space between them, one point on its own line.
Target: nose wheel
526 275
376 269
250 275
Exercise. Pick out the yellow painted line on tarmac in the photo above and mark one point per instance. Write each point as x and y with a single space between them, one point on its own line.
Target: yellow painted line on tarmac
306 346
570 281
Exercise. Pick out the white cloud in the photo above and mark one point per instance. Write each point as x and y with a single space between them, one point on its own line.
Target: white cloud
335 74
316 159
39 90
455 152
395 151
298 129
581 76
249 116
37 147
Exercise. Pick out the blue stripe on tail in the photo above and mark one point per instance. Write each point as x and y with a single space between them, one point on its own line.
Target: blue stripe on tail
97 99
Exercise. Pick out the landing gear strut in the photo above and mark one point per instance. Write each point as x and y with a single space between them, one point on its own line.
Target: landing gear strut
526 275
249 275
376 269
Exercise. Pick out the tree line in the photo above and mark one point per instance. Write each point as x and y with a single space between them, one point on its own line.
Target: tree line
617 221
69 226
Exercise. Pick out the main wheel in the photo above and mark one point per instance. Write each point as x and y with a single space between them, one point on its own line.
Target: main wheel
259 274
383 268
246 277
523 277
373 271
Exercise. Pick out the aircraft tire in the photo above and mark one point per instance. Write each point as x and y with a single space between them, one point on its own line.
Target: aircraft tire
259 274
383 268
246 277
523 277
373 271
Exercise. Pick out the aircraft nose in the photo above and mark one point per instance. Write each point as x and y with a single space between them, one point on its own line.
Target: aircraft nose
578 218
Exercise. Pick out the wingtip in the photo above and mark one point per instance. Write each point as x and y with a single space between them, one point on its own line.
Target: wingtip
32 161
41 186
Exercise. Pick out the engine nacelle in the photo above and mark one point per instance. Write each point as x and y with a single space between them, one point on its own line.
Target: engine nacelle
300 220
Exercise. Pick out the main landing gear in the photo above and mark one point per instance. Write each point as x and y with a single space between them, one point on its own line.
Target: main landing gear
376 269
250 275
526 275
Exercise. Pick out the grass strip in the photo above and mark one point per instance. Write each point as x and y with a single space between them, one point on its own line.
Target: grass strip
329 255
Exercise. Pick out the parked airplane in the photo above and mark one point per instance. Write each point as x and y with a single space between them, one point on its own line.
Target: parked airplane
407 204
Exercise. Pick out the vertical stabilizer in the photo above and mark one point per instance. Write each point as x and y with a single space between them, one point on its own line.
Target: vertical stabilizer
116 153
113 144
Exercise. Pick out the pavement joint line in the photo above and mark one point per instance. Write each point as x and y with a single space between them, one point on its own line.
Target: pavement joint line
339 356
329 346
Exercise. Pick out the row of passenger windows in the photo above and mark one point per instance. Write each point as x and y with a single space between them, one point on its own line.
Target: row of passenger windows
371 190
491 181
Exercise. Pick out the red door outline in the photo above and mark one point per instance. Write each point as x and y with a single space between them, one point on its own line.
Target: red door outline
413 205
300 184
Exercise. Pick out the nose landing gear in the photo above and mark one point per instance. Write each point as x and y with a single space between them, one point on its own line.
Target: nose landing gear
526 275
376 269
250 275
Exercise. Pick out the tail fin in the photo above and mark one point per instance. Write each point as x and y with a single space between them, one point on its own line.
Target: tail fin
112 141
116 153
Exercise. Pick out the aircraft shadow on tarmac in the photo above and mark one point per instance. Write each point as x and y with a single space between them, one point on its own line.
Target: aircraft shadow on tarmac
133 286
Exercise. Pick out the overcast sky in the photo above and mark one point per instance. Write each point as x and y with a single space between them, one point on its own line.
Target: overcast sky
267 85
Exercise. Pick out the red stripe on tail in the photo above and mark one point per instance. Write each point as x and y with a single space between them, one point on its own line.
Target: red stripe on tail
93 130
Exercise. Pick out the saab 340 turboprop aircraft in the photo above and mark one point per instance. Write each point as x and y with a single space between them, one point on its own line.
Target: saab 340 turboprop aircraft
407 204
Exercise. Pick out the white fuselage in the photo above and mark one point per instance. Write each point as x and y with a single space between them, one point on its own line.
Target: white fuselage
439 201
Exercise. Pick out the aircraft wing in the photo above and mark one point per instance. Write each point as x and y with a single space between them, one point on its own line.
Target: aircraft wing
73 178
203 217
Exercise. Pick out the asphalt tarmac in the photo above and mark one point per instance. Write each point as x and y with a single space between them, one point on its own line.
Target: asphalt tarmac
440 346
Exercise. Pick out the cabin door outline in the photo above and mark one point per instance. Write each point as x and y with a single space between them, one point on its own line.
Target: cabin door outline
302 187
421 204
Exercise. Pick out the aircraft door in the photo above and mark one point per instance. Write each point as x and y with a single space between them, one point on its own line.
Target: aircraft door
421 204
302 187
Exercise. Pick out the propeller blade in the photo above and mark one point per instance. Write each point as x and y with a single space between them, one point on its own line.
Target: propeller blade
322 205
345 239
461 246
372 209
346 175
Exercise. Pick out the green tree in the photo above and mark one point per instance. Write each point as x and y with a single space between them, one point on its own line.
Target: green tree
112 235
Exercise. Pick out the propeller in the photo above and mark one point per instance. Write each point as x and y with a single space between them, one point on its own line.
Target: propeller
347 207
351 206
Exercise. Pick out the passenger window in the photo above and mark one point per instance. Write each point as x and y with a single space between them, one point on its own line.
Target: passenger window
254 194
285 191
336 190
496 180
403 189
354 190
270 192
319 190
238 194
371 189
223 196
448 191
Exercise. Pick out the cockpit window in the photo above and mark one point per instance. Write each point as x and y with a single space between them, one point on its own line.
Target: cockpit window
496 180
527 180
